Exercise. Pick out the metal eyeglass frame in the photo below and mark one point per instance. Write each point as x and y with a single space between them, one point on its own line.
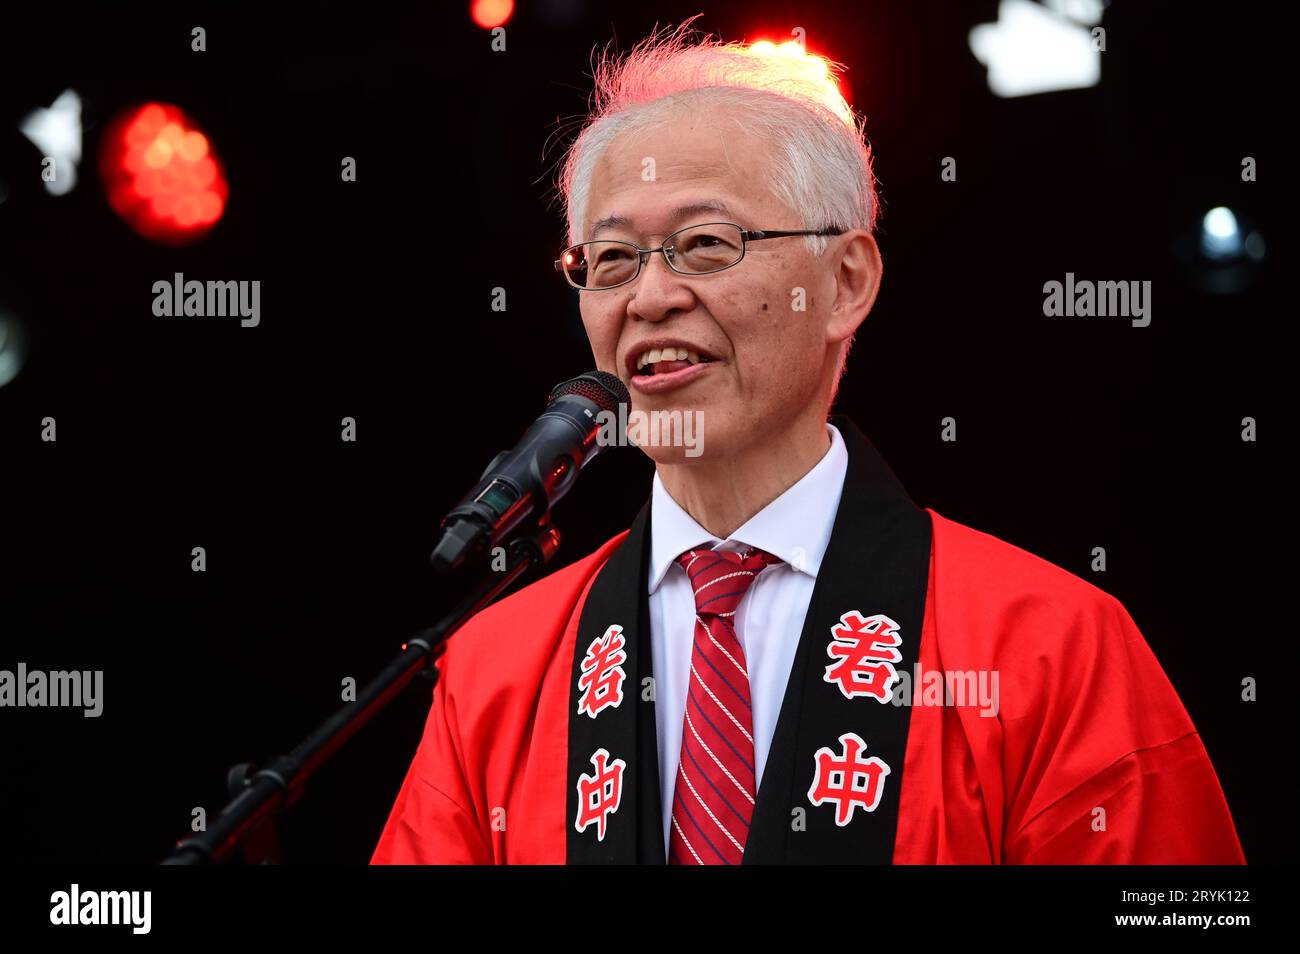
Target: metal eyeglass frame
746 236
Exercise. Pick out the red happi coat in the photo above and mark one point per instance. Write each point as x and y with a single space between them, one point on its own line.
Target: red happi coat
1090 758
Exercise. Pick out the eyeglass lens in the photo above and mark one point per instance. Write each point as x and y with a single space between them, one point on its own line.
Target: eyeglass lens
695 250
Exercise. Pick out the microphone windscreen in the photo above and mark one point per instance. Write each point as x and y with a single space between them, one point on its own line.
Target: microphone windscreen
603 389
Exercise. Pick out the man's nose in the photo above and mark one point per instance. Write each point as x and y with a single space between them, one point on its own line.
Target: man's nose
659 290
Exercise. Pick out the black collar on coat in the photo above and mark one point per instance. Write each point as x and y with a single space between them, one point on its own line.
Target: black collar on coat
876 564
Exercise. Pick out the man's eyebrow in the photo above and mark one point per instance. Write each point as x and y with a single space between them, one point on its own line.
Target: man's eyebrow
679 213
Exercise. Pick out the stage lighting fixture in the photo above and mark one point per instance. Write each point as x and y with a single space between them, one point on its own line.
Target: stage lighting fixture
13 348
1220 237
56 132
1221 251
1036 48
162 175
491 13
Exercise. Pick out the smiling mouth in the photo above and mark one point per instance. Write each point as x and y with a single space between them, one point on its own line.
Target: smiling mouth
665 361
662 376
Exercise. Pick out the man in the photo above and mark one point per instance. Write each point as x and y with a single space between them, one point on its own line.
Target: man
741 676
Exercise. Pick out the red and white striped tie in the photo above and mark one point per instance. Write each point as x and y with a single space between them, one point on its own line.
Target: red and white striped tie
714 799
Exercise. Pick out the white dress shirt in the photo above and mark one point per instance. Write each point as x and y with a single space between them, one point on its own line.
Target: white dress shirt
795 527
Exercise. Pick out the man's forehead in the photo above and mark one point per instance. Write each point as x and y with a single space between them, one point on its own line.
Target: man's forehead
688 147
640 167
670 213
641 188
629 166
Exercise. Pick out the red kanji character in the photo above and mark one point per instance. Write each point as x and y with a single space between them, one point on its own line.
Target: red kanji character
846 780
599 794
855 641
602 676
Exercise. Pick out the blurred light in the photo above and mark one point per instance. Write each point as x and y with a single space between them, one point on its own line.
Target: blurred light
1220 237
816 69
13 348
1220 251
1034 49
491 13
790 48
161 174
1084 11
56 132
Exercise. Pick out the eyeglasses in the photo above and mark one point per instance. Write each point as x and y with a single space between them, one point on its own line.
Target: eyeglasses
697 250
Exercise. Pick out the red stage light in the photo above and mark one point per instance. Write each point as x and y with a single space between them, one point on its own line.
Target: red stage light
161 174
817 69
491 13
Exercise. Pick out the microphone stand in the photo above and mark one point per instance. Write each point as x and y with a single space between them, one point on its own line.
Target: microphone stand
258 795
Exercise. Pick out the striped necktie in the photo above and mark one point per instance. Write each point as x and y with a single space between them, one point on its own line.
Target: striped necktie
714 798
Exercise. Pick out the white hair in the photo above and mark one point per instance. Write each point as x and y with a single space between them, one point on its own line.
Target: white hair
819 159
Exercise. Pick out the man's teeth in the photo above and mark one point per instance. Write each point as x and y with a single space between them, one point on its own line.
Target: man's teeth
667 354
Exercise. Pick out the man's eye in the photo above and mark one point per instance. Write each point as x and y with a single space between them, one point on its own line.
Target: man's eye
706 242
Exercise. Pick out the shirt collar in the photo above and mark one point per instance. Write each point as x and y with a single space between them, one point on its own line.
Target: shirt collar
795 527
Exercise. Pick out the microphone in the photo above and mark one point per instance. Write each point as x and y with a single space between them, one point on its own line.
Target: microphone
524 483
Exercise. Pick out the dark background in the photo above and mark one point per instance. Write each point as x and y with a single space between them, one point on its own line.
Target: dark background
1072 433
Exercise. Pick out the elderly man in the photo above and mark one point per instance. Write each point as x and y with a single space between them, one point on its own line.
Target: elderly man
784 659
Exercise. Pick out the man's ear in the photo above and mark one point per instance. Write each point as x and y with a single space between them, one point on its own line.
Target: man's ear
857 280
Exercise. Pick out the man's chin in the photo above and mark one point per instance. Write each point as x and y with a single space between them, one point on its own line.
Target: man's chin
670 435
